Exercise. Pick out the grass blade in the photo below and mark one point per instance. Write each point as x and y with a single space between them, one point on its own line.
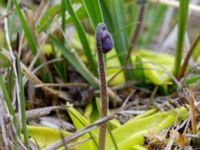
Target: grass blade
63 17
94 11
73 60
10 109
193 79
107 16
6 96
8 103
182 24
153 24
82 36
22 103
26 29
120 37
119 21
48 17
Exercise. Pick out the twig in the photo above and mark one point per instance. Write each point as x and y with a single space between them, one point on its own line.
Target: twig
187 58
137 31
40 112
62 85
6 15
72 146
126 100
47 63
190 97
81 132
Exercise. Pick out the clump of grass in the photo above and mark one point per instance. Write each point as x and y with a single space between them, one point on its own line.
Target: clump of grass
82 36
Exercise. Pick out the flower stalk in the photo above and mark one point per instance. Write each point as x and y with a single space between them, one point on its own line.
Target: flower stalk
104 44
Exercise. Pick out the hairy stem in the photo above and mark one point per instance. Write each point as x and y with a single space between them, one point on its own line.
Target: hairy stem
104 104
104 44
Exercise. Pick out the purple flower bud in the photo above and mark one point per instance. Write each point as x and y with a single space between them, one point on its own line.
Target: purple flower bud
104 38
104 34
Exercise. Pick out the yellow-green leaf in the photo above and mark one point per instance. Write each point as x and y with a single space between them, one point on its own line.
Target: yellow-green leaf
44 136
80 121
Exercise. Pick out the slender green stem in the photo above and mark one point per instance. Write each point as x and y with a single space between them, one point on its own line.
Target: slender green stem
27 32
22 103
182 24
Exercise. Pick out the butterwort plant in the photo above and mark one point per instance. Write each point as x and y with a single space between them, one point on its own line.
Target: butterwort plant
104 44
